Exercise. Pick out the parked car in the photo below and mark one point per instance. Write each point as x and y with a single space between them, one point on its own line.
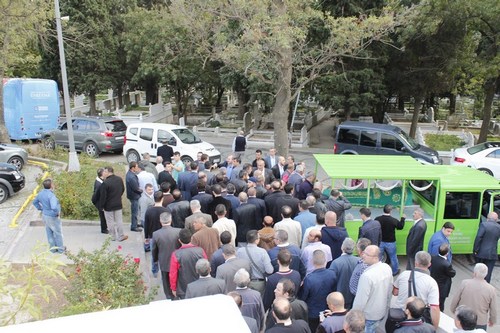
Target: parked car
484 157
13 154
11 181
93 135
147 137
362 138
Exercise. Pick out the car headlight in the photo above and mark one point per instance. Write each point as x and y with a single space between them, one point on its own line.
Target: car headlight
435 159
16 175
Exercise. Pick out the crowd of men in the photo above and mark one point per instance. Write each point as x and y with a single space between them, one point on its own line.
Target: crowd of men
265 234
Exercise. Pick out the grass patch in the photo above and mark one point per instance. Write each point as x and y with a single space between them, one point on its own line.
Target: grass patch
443 141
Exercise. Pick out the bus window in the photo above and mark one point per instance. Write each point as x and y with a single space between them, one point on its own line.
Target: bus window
430 193
461 205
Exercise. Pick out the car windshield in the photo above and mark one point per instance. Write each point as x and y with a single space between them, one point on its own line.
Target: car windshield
116 126
482 146
186 136
410 141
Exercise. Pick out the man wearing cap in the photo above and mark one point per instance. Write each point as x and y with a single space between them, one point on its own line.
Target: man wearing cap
165 151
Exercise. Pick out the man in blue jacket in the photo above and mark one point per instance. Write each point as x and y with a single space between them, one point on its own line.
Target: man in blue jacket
133 194
47 203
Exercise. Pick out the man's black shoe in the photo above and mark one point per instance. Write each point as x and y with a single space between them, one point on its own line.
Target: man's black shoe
105 232
138 229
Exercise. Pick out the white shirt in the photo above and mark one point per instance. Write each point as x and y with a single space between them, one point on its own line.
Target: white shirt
293 229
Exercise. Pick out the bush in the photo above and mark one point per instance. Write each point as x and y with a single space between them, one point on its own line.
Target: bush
443 141
104 279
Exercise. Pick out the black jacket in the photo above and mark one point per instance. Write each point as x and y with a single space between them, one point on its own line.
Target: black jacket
111 194
486 242
442 272
244 217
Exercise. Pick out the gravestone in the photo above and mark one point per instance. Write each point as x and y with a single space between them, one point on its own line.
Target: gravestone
247 122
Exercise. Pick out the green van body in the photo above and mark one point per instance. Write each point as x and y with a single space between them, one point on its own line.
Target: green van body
446 193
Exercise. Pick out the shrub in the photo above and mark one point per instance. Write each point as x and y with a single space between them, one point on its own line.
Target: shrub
443 141
104 279
22 289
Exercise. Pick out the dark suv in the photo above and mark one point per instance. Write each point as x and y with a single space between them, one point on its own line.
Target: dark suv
93 135
11 181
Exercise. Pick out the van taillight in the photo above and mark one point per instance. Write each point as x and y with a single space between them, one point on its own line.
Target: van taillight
125 139
107 134
459 160
335 148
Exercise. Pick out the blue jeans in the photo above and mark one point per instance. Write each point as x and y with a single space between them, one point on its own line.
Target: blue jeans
390 248
371 325
54 233
134 213
154 265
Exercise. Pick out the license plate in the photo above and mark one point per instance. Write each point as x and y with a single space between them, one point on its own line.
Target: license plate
217 160
119 138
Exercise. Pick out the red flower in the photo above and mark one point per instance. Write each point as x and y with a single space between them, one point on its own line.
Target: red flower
119 247
137 260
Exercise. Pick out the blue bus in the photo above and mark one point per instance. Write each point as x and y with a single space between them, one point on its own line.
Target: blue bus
31 106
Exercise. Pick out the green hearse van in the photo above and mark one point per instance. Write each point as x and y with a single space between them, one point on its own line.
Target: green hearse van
463 196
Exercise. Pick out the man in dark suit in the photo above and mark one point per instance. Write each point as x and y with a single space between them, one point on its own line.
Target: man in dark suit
272 197
279 168
165 151
267 173
227 270
285 200
240 183
165 242
101 175
204 198
218 199
442 271
272 159
486 243
179 208
415 239
245 218
205 285
188 182
260 204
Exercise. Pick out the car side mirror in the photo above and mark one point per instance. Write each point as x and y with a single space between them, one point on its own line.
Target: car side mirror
172 142
403 148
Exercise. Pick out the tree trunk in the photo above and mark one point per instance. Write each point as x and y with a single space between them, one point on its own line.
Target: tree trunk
151 92
93 110
180 107
489 89
401 104
419 99
119 96
220 93
281 106
242 101
453 103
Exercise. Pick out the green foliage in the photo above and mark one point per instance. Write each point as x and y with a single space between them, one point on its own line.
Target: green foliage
443 142
22 289
105 279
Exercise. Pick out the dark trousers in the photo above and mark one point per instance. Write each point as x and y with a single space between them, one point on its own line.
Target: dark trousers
102 218
166 285
441 303
313 323
490 263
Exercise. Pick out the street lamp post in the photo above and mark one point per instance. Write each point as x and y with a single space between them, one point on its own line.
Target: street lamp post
74 164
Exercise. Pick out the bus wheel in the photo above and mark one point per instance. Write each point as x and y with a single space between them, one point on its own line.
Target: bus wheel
90 148
49 143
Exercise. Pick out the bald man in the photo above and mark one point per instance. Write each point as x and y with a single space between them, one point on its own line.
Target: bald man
282 313
334 315
333 235
314 239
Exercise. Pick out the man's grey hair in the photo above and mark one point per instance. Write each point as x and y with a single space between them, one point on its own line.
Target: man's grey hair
202 267
165 218
355 321
420 211
195 204
348 245
480 270
242 278
422 258
281 235
299 168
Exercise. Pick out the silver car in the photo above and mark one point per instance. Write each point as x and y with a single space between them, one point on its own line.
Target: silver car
93 135
13 154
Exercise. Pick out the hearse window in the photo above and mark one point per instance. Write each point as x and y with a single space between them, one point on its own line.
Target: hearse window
368 139
430 193
461 205
146 134
350 136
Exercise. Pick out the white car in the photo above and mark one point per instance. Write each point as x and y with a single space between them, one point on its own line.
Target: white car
484 157
147 137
